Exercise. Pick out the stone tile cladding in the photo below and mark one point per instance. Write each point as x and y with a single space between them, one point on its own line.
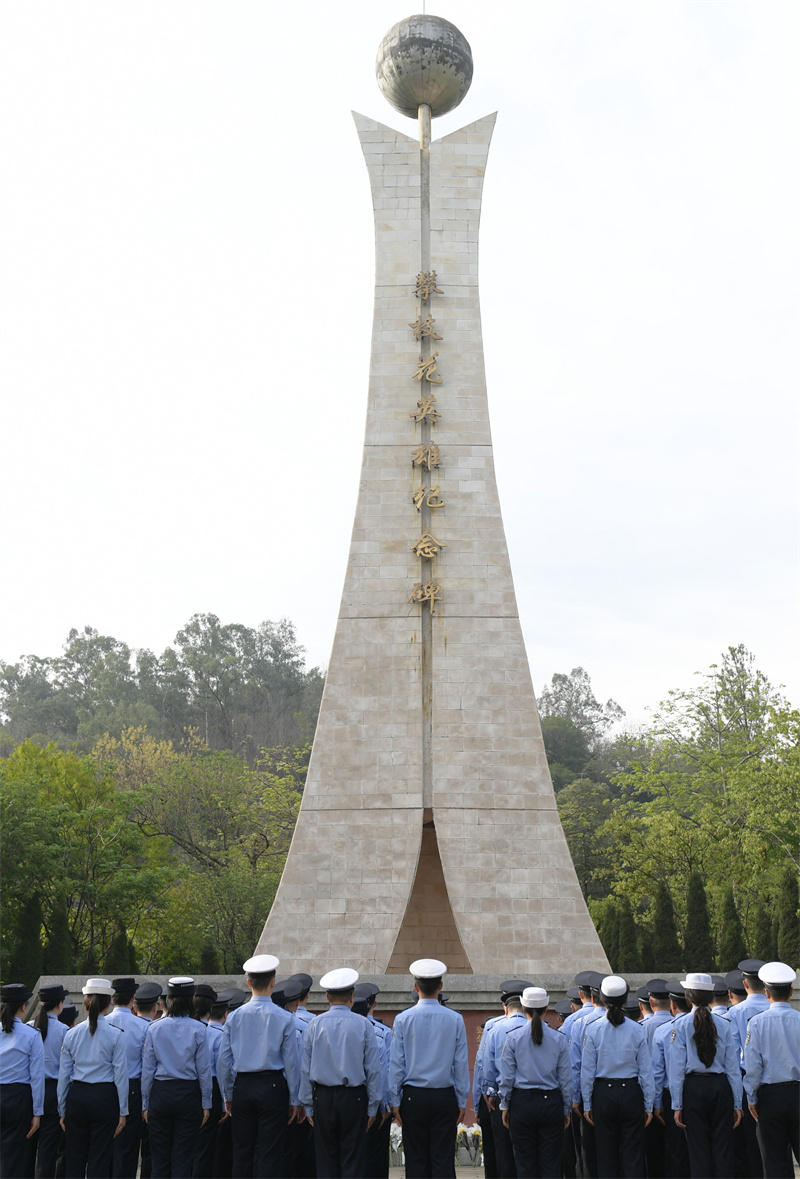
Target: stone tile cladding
353 860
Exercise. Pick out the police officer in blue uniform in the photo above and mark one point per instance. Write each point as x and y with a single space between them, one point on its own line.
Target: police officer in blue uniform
484 1094
492 1053
748 1156
21 1082
341 1081
429 1076
617 1085
259 1074
50 1139
302 1164
535 1090
378 1136
211 1009
145 1006
125 1155
585 1144
676 1155
705 1081
176 1082
92 1086
772 1072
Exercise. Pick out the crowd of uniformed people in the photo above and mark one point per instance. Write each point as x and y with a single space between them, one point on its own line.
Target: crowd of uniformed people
695 1077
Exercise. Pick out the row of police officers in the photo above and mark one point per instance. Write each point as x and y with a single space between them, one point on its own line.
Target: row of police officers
202 1083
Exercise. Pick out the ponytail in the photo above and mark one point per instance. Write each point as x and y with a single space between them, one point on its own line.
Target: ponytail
95 1005
537 1035
7 1015
705 1034
42 1020
615 1013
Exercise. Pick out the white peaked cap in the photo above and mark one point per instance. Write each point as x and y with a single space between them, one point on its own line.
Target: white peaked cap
98 986
777 974
427 968
339 980
181 980
613 986
535 997
698 982
261 964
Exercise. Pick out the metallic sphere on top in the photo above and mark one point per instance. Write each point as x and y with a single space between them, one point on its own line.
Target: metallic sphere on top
424 60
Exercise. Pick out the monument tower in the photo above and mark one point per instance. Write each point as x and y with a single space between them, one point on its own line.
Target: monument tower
428 824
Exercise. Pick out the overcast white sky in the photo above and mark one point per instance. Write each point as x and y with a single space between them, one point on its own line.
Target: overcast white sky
187 259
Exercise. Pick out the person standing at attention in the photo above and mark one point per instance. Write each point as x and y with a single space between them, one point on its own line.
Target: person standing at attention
258 1069
429 1076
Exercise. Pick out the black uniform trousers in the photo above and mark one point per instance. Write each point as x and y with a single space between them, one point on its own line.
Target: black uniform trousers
779 1127
16 1111
429 1131
676 1152
747 1161
487 1140
206 1151
147 1163
174 1116
125 1152
537 1132
378 1148
588 1152
91 1114
340 1131
618 1111
50 1139
503 1150
708 1115
223 1160
655 1149
259 1121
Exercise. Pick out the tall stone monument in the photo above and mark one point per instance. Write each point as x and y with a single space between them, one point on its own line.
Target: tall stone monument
428 825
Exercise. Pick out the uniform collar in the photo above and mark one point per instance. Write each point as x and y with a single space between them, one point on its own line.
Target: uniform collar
428 1002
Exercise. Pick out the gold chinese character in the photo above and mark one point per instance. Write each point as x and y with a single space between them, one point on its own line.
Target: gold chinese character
430 592
426 285
425 456
427 546
425 411
426 369
421 330
429 497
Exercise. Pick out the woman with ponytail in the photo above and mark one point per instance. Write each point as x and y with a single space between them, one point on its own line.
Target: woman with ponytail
50 1136
705 1082
92 1086
21 1083
535 1090
617 1085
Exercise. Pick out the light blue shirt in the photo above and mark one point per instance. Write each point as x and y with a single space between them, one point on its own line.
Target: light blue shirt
22 1061
575 1017
258 1036
135 1030
494 1050
95 1059
653 1023
341 1048
576 1042
384 1035
477 1074
56 1031
739 1016
661 1043
429 1050
176 1049
616 1052
683 1058
214 1037
525 1065
772 1049
304 1014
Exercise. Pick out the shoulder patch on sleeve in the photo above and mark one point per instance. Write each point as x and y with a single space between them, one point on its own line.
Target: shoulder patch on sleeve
747 1041
672 1037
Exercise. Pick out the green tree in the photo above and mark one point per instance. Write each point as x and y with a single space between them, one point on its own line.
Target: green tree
571 697
209 959
583 808
566 748
788 914
118 959
666 947
628 957
763 942
608 931
26 960
732 947
59 956
698 943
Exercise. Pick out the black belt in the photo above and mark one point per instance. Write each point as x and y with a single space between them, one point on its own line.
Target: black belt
616 1080
263 1072
319 1085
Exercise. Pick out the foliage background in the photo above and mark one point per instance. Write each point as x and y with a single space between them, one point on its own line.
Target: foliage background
148 803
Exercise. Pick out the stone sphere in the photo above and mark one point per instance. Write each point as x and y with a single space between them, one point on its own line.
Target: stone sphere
424 59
